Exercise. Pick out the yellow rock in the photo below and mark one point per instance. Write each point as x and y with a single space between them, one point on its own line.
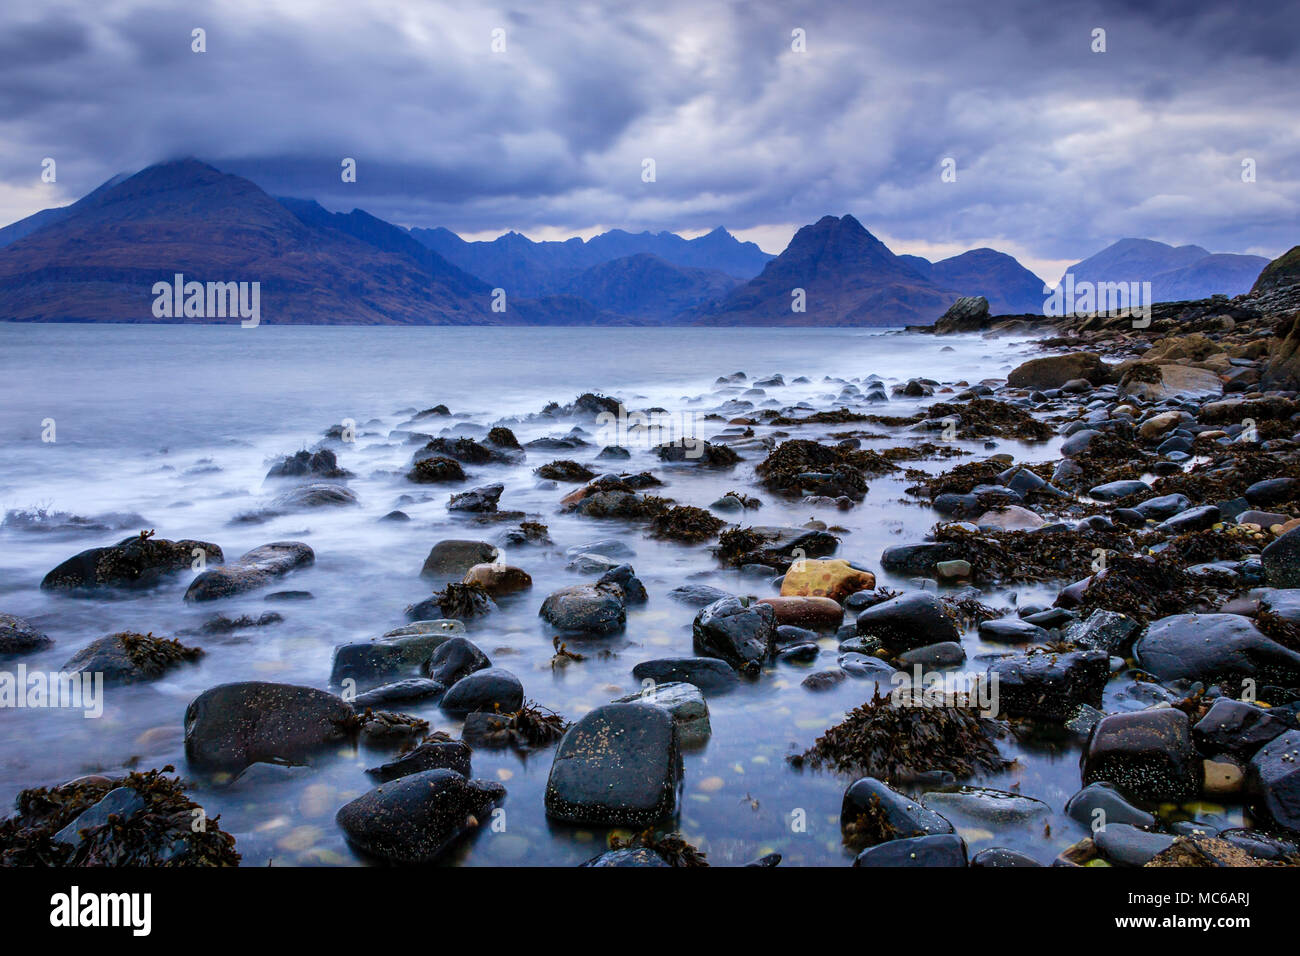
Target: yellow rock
498 579
832 577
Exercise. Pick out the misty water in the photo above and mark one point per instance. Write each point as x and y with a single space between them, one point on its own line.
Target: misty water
180 424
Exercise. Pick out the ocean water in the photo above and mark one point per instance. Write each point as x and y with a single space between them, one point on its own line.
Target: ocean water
180 424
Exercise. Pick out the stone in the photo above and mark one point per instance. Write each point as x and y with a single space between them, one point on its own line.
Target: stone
684 703
1101 804
832 578
738 631
1011 630
1002 856
1214 647
1125 845
697 595
1273 780
1147 754
873 812
481 499
122 802
1114 490
585 609
620 765
18 636
404 652
914 559
816 613
952 570
398 692
230 726
984 806
455 658
430 755
943 654
1236 727
1103 630
1053 371
1222 777
1011 518
453 558
710 674
135 562
254 569
939 850
1193 519
1165 506
907 622
1282 560
415 819
498 579
492 689
1272 491
1049 686
126 658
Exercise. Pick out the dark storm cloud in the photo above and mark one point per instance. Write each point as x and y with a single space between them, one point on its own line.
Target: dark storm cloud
1059 150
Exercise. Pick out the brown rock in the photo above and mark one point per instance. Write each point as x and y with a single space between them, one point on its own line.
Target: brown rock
817 613
498 579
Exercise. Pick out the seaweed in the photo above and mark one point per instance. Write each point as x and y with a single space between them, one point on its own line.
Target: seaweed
987 418
154 655
503 437
436 469
1032 555
565 470
672 848
787 469
686 523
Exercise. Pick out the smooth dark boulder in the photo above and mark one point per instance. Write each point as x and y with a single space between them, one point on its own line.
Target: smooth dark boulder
1050 686
492 689
135 562
452 558
128 658
18 636
1281 560
454 659
873 812
255 569
430 755
620 765
586 609
1100 804
416 818
1214 647
697 595
710 674
908 621
1147 754
233 725
404 653
1236 727
740 632
1011 630
399 692
1273 779
946 849
1104 630
919 558
1002 856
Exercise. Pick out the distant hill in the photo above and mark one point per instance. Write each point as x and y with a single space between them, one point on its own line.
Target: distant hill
100 260
1175 272
849 278
646 286
1010 288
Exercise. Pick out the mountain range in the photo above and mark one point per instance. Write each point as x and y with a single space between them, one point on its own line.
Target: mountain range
99 258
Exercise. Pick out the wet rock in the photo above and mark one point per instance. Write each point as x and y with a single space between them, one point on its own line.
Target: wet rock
1011 518
430 755
709 674
399 692
1125 845
943 654
585 609
920 558
1214 647
907 622
307 464
630 856
456 658
460 602
1193 519
1002 856
1101 804
1236 727
739 632
1049 686
233 725
618 766
697 595
1273 779
135 562
255 569
939 850
315 495
1114 490
1103 630
1011 630
498 579
624 578
831 578
1053 371
684 703
984 806
18 636
874 812
491 689
1075 445
1148 755
415 819
452 559
1281 560
481 499
1272 491
128 658
405 651
816 613
1165 506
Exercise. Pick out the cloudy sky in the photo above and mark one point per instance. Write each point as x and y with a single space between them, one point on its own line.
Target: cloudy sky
1058 150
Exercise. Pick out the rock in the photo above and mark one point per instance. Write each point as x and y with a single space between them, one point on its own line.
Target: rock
630 856
983 806
739 632
1236 727
585 609
231 726
1049 686
430 755
1214 647
833 578
405 651
415 819
1074 445
315 495
1165 506
498 579
255 569
18 636
1273 779
1101 804
1114 490
1272 491
1011 630
939 850
1053 371
455 658
135 562
967 314
618 766
874 812
920 558
1103 630
1147 754
943 654
709 674
953 570
122 802
1281 560
492 689
453 558
303 464
399 692
629 585
1193 519
697 595
1011 518
481 499
816 613
127 658
684 703
907 622
1157 425
1002 856
1126 845
1222 776
1156 383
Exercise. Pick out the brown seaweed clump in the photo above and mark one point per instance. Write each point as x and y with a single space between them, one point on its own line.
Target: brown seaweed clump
670 847
458 602
154 655
838 416
1032 555
503 437
428 471
565 470
166 831
788 468
987 418
1146 588
528 728
896 743
686 523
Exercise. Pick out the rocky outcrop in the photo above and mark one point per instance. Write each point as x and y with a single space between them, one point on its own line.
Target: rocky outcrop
255 569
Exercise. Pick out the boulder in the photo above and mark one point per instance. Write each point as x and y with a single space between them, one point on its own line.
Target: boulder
1011 518
430 755
1236 727
404 652
833 578
127 658
1273 780
684 703
585 609
919 558
1147 754
453 558
1011 630
1049 686
134 562
18 636
740 632
456 658
1214 647
498 579
946 849
908 621
873 812
1281 560
414 820
1103 630
620 765
816 613
1053 371
1101 804
492 689
1157 382
482 499
709 674
230 726
255 569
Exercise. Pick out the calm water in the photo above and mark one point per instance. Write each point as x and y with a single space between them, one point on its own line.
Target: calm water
180 425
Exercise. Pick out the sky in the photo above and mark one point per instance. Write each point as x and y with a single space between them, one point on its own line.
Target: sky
758 116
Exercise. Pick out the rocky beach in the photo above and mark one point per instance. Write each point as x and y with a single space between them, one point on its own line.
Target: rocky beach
1043 611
